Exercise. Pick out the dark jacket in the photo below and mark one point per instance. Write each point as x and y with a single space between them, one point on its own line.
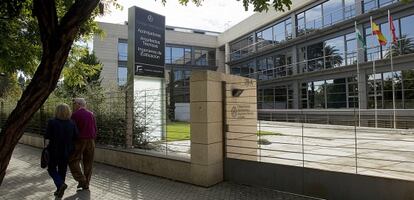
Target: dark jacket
61 135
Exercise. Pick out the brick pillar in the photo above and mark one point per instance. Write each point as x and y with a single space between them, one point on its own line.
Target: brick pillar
206 128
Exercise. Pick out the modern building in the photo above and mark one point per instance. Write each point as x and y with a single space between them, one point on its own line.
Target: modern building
307 60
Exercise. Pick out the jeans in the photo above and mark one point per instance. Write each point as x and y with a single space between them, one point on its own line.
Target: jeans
57 168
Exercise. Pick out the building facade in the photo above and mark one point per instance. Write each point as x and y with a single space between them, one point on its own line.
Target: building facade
305 59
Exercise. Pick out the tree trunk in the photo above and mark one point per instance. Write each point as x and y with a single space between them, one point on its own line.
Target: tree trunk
57 41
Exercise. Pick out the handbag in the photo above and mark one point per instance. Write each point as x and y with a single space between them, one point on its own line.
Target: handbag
44 159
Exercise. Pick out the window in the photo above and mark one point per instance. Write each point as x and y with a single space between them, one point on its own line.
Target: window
300 21
122 50
167 55
316 94
336 93
313 18
333 12
180 56
264 38
353 92
374 4
315 57
334 52
408 88
351 49
242 47
373 51
122 74
406 40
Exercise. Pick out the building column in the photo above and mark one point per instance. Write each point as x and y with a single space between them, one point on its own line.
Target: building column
206 128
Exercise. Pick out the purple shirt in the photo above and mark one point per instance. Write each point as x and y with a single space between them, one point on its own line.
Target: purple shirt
85 121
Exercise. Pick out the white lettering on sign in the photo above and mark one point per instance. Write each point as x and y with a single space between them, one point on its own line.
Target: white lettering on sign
149 33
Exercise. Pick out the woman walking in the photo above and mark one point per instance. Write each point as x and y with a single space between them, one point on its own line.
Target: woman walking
61 133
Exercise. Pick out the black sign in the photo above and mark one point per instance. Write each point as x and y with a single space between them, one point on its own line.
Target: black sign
149 43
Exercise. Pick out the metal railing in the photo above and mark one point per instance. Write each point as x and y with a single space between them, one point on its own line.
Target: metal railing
155 129
334 140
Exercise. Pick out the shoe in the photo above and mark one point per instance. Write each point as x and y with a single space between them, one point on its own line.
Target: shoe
82 186
55 193
61 190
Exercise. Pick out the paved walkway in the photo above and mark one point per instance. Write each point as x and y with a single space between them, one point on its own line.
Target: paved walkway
26 180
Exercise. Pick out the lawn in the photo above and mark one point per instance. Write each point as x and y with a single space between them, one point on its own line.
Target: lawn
177 131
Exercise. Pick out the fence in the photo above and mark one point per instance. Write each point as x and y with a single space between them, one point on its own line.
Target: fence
334 140
172 138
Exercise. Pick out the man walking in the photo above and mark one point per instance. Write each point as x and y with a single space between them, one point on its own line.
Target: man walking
84 145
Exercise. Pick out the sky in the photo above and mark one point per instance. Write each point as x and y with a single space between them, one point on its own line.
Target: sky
213 15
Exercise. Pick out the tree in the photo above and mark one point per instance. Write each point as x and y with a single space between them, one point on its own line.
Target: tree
81 73
59 24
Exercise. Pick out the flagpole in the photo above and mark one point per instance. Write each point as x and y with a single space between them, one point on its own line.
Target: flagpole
375 84
392 70
358 80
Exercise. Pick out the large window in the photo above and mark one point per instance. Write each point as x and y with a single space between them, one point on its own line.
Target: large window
334 52
333 12
279 97
314 54
180 55
374 4
122 73
122 50
313 18
405 33
122 70
264 38
241 48
333 93
247 69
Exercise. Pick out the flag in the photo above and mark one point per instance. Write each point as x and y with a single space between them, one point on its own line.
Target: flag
392 28
360 38
376 31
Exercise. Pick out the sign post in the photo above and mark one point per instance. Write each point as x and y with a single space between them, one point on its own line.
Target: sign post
146 61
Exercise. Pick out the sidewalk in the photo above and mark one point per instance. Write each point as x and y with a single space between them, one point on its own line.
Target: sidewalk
26 180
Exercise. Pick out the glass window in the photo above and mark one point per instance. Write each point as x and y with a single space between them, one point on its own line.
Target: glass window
385 29
122 73
349 10
187 56
406 41
370 5
177 56
336 93
261 69
268 99
201 57
167 55
333 12
280 33
313 18
373 51
122 51
352 92
315 57
281 101
288 27
316 94
408 84
351 49
334 52
300 21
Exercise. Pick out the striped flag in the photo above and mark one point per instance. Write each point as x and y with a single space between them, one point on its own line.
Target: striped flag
360 38
392 28
376 31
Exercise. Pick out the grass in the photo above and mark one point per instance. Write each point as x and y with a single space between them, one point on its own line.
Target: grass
177 131
261 133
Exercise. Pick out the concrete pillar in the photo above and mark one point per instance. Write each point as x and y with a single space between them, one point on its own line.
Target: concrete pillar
220 60
206 128
293 20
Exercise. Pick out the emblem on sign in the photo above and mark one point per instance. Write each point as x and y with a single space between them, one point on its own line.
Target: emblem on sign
234 112
150 18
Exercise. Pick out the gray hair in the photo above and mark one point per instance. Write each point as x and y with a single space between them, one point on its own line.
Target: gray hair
80 101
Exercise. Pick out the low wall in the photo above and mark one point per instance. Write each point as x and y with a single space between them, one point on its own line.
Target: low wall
167 168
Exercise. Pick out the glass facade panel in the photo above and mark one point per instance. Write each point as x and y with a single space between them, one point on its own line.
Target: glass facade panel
177 56
313 18
333 12
351 49
300 21
336 93
122 51
335 52
315 57
406 42
122 73
167 55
